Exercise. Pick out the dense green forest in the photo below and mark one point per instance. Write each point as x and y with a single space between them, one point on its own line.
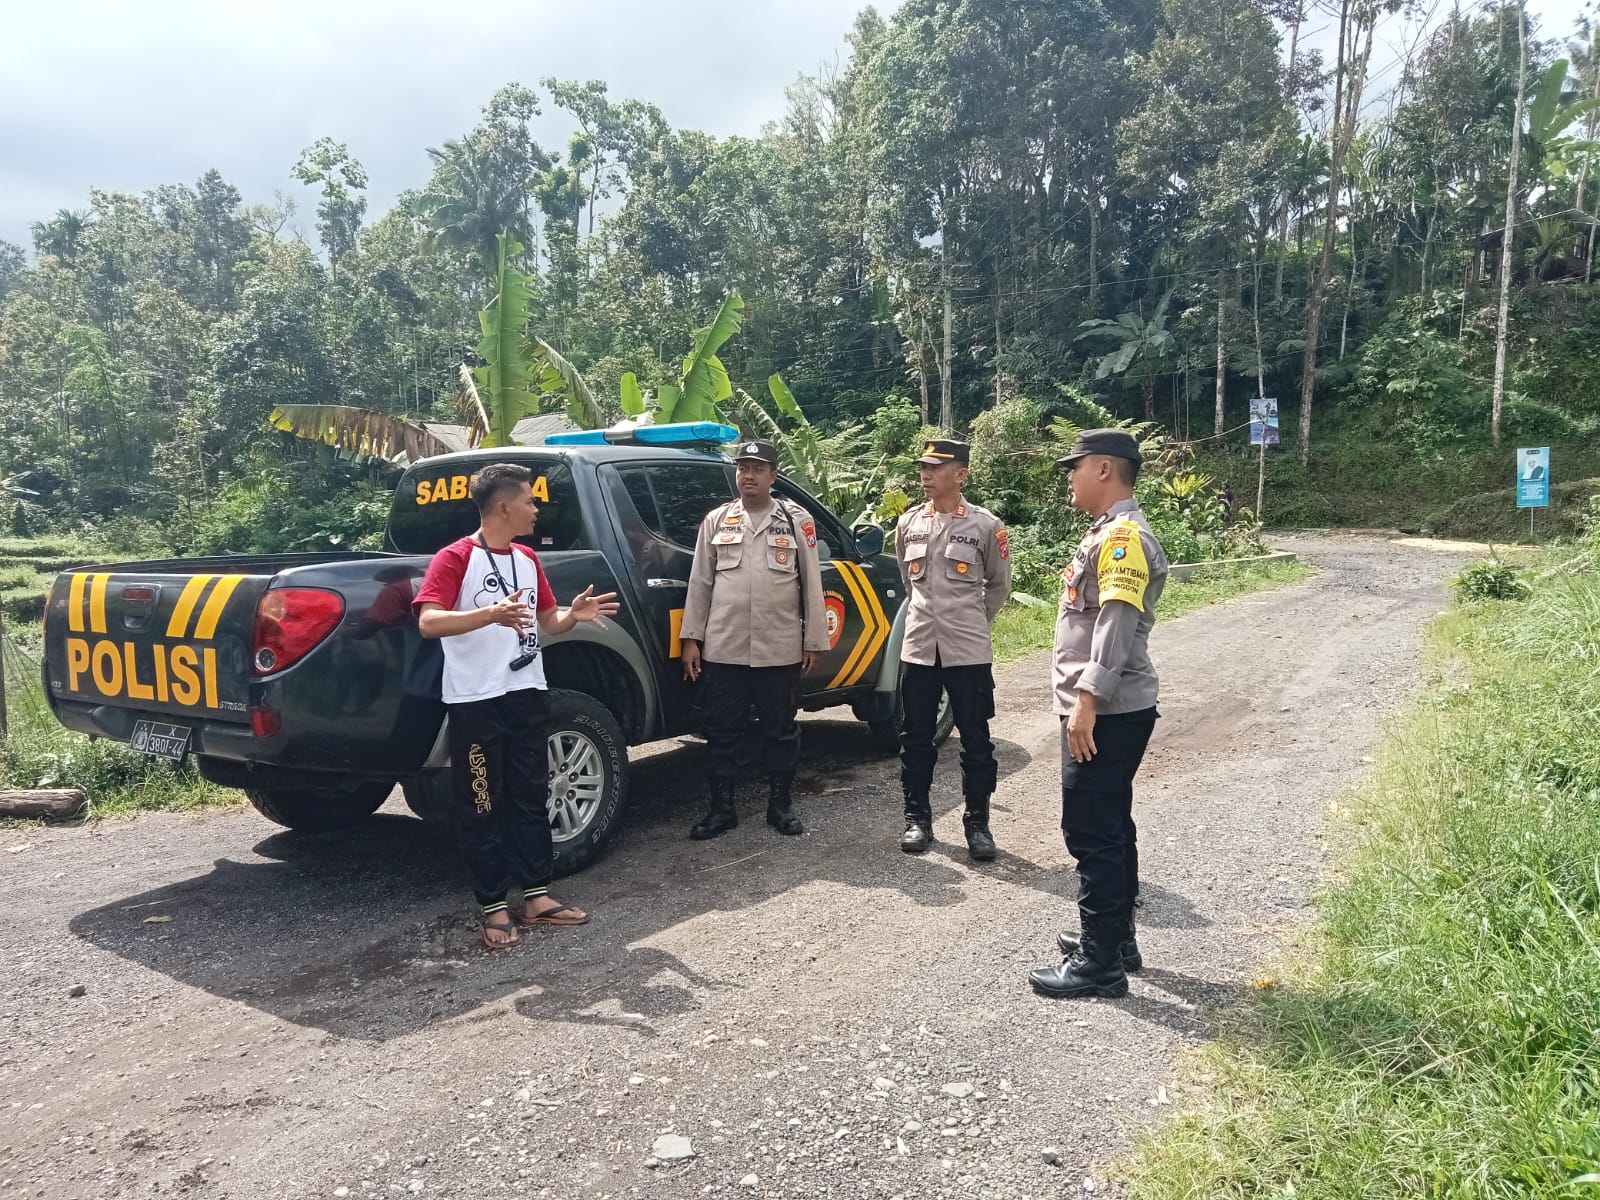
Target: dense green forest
1167 206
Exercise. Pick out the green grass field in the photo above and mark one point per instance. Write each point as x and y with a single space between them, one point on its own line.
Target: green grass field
1439 1033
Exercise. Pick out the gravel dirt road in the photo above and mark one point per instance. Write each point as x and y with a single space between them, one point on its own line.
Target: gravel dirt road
267 1014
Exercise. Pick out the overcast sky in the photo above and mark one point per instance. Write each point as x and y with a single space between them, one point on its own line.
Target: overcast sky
129 94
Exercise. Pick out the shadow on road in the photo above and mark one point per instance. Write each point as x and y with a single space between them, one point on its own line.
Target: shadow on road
367 933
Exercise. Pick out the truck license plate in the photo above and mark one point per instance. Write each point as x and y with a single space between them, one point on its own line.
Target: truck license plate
160 740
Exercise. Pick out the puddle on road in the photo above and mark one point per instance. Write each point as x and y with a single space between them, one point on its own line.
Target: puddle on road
823 783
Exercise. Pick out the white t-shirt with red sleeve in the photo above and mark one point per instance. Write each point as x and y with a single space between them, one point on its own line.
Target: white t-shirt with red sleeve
465 575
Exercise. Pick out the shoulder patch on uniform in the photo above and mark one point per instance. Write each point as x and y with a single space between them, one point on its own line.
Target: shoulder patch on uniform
1004 539
808 529
1124 571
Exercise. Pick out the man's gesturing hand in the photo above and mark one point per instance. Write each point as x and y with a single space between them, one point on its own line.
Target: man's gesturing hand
1080 728
512 612
691 661
586 606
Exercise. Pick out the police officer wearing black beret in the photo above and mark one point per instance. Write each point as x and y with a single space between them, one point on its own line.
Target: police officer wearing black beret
1105 692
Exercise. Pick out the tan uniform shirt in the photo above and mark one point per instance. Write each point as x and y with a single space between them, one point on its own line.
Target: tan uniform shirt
755 591
957 570
1108 607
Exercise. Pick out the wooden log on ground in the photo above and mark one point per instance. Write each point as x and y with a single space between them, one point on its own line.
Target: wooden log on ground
59 803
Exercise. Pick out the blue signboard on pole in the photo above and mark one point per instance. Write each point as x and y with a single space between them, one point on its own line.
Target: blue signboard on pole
1533 477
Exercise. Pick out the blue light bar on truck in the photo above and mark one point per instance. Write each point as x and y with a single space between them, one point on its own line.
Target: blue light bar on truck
683 433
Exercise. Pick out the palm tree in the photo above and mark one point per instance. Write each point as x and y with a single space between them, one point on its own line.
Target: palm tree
62 235
474 196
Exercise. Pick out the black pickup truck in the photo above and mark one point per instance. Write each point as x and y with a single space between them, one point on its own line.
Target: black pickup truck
302 679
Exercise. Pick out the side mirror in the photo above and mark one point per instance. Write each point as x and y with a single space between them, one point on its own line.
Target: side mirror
869 540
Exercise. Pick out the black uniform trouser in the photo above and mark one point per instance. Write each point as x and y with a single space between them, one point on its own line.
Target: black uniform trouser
731 691
971 691
498 758
1097 817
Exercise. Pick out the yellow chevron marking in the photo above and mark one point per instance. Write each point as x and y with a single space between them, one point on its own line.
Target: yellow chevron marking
866 625
75 603
186 602
880 626
212 612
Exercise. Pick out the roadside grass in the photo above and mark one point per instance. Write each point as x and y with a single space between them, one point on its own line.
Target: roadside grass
1440 1035
1020 629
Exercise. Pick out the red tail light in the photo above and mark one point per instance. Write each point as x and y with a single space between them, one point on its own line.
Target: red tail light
289 622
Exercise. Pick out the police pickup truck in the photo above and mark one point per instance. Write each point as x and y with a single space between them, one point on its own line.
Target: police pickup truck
302 678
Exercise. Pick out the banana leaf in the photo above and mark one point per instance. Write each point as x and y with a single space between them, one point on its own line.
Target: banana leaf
705 383
504 383
558 377
359 431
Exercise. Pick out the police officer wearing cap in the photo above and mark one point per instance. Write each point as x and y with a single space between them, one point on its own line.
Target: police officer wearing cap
1105 693
753 623
955 562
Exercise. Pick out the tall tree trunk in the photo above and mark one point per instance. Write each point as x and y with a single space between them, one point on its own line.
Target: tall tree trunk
1283 221
998 389
1427 239
1509 235
1346 107
1222 353
947 416
1593 127
1349 294
1094 251
1148 385
1261 365
922 367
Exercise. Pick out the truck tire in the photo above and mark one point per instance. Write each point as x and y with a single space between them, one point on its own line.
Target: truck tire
588 780
319 808
887 730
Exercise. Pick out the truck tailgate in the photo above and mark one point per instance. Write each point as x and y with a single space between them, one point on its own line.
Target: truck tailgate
167 643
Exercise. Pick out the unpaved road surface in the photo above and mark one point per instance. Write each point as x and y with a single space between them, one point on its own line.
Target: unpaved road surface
820 1017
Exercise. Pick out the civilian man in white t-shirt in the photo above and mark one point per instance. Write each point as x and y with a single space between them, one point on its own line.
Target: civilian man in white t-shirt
476 597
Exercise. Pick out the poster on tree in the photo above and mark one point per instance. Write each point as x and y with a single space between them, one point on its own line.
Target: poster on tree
1263 421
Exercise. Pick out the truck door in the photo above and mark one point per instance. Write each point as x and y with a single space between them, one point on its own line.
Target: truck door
854 594
658 508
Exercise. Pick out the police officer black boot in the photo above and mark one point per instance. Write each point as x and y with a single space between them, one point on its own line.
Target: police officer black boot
1095 969
1132 960
919 824
980 842
780 810
721 817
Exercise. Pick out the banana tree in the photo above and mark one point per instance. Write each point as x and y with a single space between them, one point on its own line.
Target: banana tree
521 375
1552 111
838 468
703 384
1145 346
521 372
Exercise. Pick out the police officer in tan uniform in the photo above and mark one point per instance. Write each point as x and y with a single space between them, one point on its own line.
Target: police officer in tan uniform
955 562
753 624
1105 692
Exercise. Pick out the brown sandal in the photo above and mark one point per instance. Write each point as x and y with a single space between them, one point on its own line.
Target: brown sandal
549 917
510 943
